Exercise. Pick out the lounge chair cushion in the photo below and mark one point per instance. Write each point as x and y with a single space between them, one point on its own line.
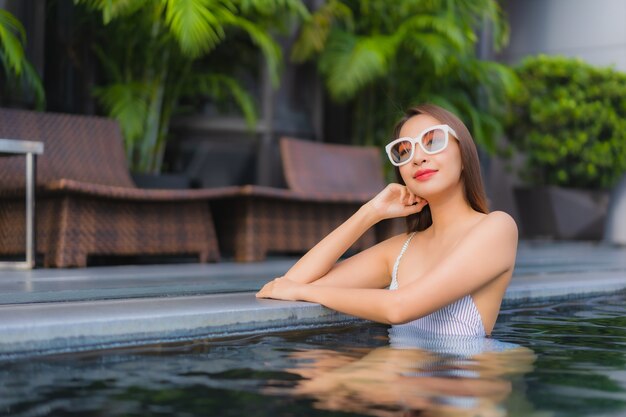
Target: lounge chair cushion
80 148
312 167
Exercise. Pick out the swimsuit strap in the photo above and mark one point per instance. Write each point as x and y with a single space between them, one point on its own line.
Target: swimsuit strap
394 274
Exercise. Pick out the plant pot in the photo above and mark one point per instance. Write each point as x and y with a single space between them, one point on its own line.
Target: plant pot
615 226
161 181
561 213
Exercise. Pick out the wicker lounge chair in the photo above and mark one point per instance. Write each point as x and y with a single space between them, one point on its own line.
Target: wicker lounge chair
327 183
86 201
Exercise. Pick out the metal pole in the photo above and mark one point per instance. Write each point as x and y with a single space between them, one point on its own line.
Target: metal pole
30 209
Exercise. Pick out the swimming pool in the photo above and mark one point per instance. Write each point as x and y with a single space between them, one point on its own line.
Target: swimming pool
558 359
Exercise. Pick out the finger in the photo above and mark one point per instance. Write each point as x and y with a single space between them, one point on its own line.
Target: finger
416 208
407 196
408 210
261 293
412 199
266 291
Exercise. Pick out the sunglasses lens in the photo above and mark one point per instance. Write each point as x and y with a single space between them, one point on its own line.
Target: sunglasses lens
401 151
434 140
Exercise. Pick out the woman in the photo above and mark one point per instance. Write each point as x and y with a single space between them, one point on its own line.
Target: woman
456 260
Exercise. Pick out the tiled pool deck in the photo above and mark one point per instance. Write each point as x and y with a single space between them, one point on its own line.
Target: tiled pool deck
44 311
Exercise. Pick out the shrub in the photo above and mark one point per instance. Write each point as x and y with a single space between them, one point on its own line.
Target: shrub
570 121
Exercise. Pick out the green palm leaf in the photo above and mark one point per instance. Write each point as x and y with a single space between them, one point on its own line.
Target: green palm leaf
128 105
497 75
12 37
433 48
271 7
444 101
350 63
112 9
222 86
198 25
31 78
412 28
18 69
315 30
269 48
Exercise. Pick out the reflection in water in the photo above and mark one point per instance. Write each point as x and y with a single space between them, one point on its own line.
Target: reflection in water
417 374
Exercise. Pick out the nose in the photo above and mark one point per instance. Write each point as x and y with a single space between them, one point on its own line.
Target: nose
419 156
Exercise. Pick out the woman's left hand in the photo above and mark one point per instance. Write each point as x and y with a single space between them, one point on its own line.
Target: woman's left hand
281 289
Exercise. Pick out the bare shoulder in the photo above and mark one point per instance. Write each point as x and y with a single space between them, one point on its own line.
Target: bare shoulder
500 223
493 237
495 228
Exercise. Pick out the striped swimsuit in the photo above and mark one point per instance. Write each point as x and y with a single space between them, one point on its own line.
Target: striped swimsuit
460 318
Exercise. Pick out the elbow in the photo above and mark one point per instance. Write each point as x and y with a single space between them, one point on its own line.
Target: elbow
394 318
396 313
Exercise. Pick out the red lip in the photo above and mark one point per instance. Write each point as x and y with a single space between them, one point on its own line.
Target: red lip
424 174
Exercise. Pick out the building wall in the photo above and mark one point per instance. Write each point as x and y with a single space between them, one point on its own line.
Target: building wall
593 30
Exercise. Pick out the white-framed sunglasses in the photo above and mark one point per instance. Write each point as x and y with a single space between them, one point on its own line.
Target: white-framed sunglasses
432 140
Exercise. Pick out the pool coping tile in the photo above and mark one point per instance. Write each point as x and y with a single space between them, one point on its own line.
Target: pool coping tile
48 311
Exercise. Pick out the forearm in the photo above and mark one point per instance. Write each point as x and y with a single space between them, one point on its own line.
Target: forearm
371 304
323 256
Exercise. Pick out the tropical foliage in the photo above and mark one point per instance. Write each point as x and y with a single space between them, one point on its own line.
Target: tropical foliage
570 122
20 74
382 56
155 52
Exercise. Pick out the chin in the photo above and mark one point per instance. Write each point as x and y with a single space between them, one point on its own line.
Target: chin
429 189
424 192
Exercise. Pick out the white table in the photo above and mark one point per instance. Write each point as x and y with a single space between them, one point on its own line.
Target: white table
11 147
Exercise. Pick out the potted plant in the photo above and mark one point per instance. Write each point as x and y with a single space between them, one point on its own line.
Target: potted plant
569 122
155 53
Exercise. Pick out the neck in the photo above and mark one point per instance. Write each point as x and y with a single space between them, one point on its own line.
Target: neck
448 211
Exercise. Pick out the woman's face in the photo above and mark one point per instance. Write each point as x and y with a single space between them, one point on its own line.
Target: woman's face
429 174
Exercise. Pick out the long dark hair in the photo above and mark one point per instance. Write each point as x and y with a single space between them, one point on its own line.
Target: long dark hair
472 180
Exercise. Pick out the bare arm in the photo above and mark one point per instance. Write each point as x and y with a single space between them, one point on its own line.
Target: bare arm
323 256
370 268
484 254
321 261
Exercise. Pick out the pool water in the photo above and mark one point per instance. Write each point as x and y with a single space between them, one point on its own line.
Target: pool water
559 359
